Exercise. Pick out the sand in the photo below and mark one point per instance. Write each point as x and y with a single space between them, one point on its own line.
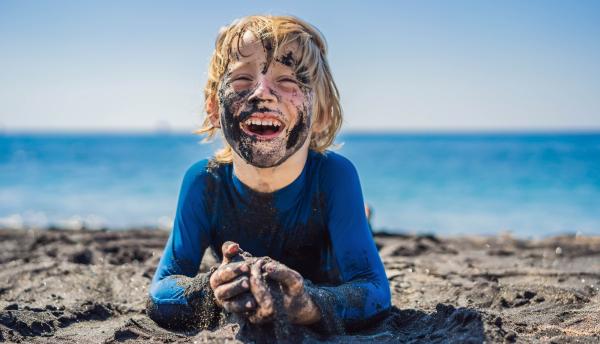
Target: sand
64 286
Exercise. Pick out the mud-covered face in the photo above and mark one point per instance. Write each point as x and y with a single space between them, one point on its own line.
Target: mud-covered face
264 110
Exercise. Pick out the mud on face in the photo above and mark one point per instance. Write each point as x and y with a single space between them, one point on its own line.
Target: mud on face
265 145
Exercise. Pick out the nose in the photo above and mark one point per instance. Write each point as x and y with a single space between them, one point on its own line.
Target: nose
263 91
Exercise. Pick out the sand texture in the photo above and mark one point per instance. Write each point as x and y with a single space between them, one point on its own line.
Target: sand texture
90 287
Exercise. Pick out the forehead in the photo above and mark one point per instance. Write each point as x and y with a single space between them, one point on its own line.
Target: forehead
249 47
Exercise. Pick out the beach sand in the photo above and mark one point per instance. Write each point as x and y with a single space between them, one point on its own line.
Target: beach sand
64 286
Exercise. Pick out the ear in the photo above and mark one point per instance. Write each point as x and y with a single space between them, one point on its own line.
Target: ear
212 110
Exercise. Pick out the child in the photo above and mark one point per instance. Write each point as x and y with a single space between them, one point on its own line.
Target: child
274 191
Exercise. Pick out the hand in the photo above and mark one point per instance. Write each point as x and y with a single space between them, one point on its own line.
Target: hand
230 282
297 303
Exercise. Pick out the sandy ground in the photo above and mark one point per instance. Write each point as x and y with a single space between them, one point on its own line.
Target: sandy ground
89 287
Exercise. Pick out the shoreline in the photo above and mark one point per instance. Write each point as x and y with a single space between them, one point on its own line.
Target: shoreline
69 286
378 232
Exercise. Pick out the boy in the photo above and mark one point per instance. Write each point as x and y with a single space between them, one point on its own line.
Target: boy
273 191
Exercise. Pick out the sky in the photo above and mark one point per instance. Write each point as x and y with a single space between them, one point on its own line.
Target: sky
399 65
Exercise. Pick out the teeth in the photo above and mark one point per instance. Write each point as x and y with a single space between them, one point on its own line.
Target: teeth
264 122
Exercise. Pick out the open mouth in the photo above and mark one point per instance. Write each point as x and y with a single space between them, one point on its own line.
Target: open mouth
263 128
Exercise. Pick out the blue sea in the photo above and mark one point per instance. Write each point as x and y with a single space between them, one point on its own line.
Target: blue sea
528 184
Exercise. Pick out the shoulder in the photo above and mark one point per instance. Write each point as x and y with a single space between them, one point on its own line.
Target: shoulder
334 169
204 173
332 164
340 189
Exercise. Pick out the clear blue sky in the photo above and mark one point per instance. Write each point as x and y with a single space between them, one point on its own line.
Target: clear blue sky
406 65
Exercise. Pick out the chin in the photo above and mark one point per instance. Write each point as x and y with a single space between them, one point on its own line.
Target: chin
266 159
266 154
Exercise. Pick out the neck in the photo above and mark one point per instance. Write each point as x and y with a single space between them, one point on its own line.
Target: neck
271 179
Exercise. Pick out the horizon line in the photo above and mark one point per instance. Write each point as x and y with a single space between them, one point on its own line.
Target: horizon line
190 131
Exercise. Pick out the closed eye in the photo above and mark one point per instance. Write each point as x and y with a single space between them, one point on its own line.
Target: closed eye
242 78
288 80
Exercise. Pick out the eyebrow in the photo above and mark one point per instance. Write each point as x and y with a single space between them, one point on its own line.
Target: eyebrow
282 66
240 65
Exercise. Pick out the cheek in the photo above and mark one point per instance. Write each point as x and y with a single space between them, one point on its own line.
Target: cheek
231 101
299 101
240 86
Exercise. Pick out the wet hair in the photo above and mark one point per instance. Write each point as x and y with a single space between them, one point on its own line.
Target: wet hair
312 70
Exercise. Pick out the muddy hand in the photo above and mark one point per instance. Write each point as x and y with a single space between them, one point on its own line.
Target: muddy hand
230 282
297 303
265 309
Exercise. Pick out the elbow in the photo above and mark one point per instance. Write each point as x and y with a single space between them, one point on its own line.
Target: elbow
155 312
386 295
167 306
168 315
379 300
375 304
383 297
178 303
376 308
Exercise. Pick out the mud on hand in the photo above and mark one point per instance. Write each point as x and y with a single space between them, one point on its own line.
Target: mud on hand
230 281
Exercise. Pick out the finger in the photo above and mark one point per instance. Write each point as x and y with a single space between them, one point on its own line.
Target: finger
229 249
261 293
240 304
231 289
291 281
257 318
228 272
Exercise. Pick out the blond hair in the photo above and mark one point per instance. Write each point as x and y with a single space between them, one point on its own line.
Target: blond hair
279 31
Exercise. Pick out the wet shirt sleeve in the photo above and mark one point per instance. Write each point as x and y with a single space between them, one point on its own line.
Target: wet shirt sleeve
365 291
184 249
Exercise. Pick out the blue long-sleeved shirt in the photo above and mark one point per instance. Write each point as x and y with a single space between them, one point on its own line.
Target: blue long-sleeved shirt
316 226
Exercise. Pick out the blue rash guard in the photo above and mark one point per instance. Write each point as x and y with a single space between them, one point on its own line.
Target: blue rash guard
316 225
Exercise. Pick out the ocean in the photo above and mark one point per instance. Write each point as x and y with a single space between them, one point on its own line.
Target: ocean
527 184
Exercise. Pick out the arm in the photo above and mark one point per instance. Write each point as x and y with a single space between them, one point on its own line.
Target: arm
178 299
365 293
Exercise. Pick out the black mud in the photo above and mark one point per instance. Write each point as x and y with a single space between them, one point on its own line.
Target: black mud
444 291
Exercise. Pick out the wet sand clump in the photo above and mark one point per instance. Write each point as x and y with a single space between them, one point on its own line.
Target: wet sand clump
65 286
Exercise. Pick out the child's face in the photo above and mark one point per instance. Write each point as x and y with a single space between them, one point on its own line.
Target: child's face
264 110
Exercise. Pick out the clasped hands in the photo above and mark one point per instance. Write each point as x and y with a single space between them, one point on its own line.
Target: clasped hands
241 286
